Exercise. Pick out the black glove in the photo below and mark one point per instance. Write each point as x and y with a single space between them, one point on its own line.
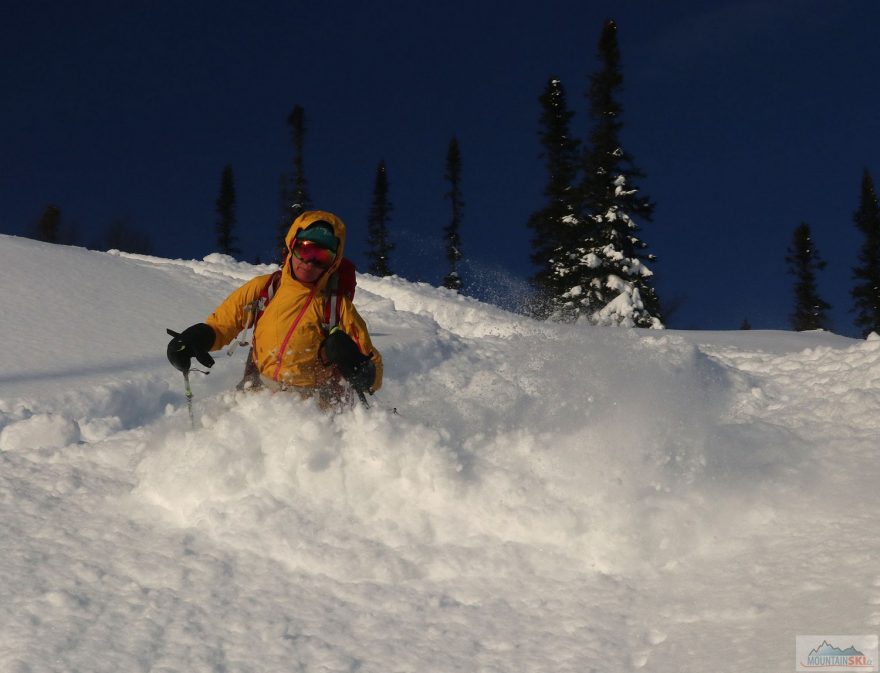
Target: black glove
362 377
193 342
358 369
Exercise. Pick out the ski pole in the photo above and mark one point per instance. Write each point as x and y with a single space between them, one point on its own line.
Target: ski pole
367 405
189 394
189 399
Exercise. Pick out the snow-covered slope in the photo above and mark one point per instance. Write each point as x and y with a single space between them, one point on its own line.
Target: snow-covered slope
549 498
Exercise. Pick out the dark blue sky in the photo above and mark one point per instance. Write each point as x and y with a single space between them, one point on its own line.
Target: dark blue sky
747 118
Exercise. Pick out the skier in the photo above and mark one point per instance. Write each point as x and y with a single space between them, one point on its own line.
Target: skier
295 347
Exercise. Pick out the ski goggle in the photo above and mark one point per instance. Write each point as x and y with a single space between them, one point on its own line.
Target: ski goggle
314 254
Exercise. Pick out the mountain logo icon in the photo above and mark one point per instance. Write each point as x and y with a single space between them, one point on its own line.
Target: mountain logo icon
828 650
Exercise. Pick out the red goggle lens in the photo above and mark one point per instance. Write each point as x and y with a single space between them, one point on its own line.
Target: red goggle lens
312 253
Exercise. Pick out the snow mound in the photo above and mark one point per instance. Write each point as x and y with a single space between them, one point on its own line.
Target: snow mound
491 451
40 431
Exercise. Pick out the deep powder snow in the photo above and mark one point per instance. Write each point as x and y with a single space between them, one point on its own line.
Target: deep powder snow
548 498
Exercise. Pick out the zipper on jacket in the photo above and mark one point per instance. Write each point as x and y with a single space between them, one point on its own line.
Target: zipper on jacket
290 333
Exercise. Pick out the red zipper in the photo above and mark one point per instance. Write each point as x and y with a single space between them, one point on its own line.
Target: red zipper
290 333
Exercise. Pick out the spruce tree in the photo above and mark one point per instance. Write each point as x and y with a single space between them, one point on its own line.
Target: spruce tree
866 293
296 122
451 233
294 187
803 262
606 277
49 226
553 225
379 244
226 213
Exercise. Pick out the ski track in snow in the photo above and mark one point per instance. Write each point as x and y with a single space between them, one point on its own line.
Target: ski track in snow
550 498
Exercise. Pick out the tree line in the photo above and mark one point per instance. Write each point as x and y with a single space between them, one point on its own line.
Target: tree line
118 234
804 262
592 263
295 191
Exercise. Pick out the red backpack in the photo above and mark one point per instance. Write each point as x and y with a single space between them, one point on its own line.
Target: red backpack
342 283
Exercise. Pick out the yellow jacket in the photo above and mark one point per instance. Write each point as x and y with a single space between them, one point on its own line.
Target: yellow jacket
290 331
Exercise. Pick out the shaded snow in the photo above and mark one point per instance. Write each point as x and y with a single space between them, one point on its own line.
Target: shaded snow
549 498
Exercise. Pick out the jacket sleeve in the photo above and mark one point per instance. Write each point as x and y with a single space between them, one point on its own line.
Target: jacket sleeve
236 312
353 325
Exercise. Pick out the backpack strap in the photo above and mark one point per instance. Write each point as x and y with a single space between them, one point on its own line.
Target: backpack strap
255 309
251 378
258 306
332 303
340 285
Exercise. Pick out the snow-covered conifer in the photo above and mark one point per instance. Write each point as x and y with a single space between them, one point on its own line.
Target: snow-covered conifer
605 273
553 226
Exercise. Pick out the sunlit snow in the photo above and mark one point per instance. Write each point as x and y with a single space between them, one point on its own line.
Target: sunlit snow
548 498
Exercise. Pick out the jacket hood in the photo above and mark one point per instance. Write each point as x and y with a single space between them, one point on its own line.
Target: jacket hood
310 217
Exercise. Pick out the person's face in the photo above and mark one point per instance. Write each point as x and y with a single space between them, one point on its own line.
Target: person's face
309 261
305 272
